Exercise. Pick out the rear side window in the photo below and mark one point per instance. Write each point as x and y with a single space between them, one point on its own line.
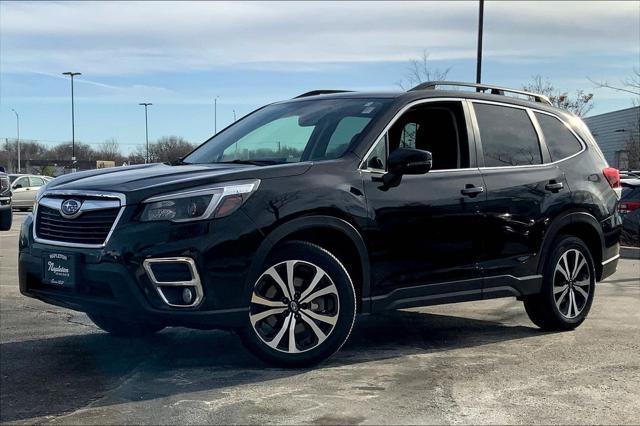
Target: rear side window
36 181
560 141
507 135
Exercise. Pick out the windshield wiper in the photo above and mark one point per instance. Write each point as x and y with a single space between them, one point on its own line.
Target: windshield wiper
252 162
176 162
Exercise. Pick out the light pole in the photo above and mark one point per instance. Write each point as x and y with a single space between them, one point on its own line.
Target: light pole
215 115
18 132
480 27
73 124
146 125
234 115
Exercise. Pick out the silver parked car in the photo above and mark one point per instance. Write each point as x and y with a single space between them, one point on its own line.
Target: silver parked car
25 188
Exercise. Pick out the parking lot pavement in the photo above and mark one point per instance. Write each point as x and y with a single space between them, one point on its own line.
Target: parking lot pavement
481 362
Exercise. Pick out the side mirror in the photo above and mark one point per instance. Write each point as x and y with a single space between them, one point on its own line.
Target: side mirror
407 161
18 186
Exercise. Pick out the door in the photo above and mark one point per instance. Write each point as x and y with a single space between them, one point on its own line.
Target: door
22 192
524 191
423 232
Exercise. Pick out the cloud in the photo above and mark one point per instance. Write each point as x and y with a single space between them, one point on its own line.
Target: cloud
115 38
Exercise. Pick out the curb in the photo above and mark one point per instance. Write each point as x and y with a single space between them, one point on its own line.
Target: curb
630 252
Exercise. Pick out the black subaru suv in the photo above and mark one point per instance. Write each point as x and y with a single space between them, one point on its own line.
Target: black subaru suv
291 221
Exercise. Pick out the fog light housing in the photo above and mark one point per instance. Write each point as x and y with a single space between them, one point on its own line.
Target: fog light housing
176 280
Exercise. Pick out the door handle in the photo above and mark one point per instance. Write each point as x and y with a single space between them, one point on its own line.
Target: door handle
471 190
554 186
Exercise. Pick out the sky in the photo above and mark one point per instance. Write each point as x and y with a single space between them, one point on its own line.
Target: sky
182 55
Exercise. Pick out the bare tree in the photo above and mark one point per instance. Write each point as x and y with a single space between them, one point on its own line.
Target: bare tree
579 103
629 85
109 150
420 70
167 148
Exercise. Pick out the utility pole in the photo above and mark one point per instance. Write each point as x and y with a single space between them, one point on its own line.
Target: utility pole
215 115
146 126
73 124
234 115
18 132
480 26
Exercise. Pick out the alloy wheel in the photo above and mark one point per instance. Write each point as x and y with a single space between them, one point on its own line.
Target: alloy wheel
571 283
294 306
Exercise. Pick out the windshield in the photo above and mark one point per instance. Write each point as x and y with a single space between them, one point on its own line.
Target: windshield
291 132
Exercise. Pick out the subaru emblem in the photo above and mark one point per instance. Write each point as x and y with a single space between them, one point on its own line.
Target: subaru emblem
70 208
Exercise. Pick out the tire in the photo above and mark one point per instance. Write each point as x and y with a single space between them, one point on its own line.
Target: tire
319 316
122 327
6 218
566 295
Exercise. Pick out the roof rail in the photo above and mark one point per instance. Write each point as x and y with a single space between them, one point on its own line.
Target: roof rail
494 90
321 92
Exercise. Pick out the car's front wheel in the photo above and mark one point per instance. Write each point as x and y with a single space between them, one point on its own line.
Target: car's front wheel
302 307
568 287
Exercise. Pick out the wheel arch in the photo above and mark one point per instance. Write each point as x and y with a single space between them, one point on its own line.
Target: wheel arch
336 235
580 224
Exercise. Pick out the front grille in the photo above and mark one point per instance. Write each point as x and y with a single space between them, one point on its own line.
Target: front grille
91 227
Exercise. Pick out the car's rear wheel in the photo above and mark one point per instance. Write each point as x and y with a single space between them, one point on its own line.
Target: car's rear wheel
123 327
568 287
6 217
302 307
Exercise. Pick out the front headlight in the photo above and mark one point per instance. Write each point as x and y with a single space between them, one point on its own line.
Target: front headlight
201 203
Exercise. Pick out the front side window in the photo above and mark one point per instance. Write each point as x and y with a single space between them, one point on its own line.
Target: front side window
560 141
291 132
507 135
22 182
437 127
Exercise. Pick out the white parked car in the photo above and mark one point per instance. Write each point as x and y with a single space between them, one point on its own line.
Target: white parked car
25 188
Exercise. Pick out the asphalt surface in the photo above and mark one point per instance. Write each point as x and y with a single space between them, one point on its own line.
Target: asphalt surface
480 362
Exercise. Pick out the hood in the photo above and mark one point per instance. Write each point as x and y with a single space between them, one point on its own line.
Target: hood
143 181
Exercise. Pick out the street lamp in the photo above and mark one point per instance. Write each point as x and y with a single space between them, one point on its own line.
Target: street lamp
18 132
215 115
146 125
73 124
480 28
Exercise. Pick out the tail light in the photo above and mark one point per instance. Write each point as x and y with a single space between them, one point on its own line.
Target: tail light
613 177
628 206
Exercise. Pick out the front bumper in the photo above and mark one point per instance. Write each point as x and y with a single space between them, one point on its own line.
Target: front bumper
112 280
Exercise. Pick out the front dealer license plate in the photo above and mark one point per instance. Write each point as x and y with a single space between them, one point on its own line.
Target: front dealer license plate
59 269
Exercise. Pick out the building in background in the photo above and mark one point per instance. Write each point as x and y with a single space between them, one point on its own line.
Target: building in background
618 135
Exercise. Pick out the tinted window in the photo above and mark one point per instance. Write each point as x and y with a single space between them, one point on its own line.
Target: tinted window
559 139
630 193
507 135
408 135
